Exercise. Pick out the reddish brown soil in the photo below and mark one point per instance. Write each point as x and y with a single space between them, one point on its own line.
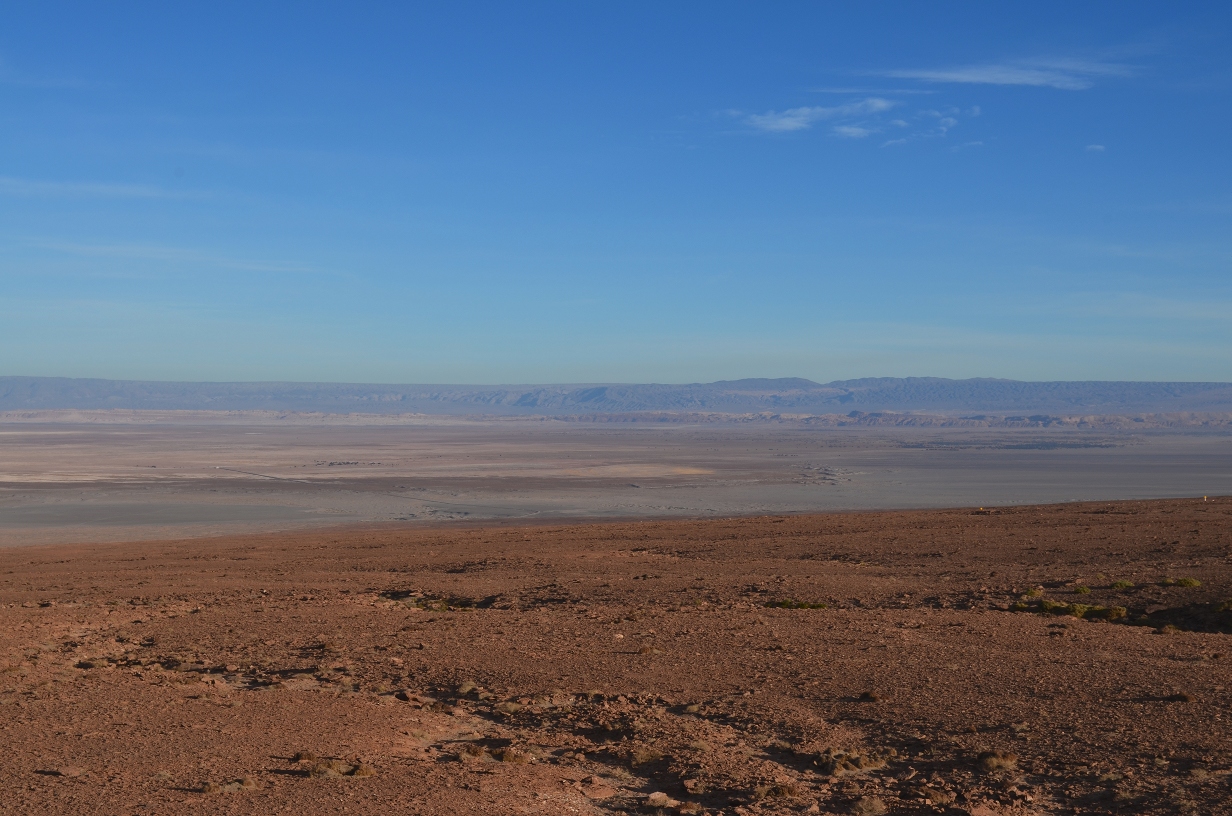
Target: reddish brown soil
631 667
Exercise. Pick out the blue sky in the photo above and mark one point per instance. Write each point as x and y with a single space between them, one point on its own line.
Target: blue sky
584 192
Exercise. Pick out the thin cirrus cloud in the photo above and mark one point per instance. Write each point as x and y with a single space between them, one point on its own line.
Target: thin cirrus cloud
1063 73
805 117
852 131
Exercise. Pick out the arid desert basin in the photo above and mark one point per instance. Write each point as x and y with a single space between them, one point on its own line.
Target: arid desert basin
442 616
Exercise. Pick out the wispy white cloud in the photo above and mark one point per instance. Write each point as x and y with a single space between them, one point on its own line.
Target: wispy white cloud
852 131
1095 148
877 91
79 189
861 119
804 117
1050 72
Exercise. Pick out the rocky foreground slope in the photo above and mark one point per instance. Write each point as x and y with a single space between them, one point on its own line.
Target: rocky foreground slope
1059 659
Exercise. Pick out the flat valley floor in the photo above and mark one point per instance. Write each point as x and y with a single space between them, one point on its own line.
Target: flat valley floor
130 476
1022 660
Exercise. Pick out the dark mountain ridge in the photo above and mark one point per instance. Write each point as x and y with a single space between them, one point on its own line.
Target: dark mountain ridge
785 395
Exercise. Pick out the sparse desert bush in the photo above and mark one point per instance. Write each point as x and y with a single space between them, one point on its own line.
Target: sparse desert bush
659 799
1122 584
330 768
783 790
513 756
1034 593
792 604
837 762
1188 582
993 761
936 796
1082 590
868 806
642 754
235 786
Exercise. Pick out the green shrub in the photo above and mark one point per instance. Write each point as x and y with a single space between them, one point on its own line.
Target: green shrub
1122 584
1188 582
1078 610
1081 590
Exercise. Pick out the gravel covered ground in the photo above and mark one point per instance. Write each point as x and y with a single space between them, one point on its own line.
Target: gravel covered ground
1056 659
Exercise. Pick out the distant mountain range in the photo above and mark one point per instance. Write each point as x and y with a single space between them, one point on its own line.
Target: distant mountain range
786 395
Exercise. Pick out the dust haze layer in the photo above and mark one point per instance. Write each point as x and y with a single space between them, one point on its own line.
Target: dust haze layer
791 395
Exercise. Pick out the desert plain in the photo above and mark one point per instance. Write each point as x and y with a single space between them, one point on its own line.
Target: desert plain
535 618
